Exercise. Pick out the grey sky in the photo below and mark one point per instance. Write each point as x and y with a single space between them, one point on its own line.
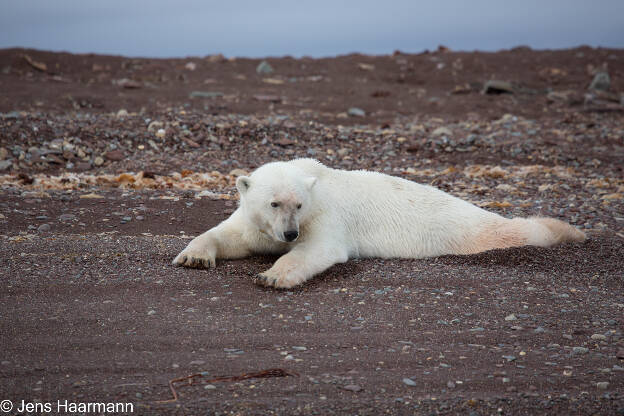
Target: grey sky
257 28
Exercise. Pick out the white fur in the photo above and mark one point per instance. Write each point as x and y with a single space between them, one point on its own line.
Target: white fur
351 214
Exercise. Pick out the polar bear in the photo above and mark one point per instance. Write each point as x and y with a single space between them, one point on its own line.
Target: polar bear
317 216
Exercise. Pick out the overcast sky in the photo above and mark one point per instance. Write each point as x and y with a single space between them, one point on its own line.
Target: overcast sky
256 28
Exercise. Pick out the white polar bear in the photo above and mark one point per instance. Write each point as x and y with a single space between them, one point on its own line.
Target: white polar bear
317 216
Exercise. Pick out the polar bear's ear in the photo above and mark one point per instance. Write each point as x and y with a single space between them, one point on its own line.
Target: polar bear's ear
309 182
242 184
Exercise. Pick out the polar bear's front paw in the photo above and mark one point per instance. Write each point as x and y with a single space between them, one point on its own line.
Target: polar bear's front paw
271 279
193 257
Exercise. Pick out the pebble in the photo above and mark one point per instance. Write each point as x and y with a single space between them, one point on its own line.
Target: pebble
580 350
205 94
356 112
299 348
98 161
5 164
44 228
509 358
450 385
602 385
197 362
601 81
352 387
127 219
151 312
114 155
67 217
598 337
539 330
264 68
409 382
441 131
210 387
498 87
122 113
511 317
160 133
4 153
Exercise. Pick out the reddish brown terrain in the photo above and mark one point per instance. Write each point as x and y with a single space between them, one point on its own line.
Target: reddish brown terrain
109 165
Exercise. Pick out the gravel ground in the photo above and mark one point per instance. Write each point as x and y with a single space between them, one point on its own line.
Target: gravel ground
103 182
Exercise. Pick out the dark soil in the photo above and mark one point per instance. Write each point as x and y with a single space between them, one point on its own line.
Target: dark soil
93 311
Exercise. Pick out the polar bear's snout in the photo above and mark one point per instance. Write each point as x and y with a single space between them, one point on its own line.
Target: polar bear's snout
291 236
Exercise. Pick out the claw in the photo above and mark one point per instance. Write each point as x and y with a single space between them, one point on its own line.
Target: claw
260 280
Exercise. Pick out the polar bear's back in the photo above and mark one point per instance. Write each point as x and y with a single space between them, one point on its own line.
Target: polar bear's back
387 216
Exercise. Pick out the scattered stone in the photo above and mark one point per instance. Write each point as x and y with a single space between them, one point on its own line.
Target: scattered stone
580 350
539 330
409 382
299 348
114 155
509 358
127 83
98 161
122 113
151 312
511 317
127 219
450 385
205 94
602 385
210 387
601 81
498 87
67 217
5 164
352 387
197 362
160 133
598 337
44 228
238 172
154 125
620 353
356 112
264 68
191 66
4 153
441 131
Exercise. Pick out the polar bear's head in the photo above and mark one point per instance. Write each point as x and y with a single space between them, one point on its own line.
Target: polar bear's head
276 198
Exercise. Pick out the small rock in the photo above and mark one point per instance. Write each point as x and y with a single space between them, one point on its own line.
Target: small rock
4 153
450 385
210 387
409 382
238 172
98 161
67 217
197 362
511 317
205 94
122 113
356 112
114 155
441 131
127 219
191 66
598 337
5 164
352 387
264 68
161 133
154 125
44 228
601 82
498 87
580 350
299 348
289 357
539 330
151 312
506 380
620 353
509 358
602 385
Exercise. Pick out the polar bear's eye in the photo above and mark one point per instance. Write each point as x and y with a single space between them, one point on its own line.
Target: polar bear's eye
298 206
274 204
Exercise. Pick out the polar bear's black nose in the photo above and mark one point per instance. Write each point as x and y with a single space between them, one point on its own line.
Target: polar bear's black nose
291 235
